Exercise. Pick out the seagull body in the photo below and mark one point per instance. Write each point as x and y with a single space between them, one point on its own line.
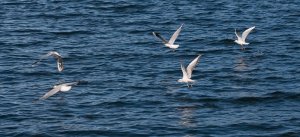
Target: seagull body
169 43
187 72
61 87
58 57
242 39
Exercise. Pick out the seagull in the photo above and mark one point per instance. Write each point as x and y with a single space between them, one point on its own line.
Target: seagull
241 39
169 43
187 72
61 87
55 54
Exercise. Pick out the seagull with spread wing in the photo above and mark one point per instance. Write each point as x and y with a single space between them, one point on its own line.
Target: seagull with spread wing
187 72
58 57
61 87
242 39
169 43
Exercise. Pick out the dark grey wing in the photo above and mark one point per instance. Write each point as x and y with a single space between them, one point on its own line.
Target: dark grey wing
60 65
71 83
160 37
41 58
36 62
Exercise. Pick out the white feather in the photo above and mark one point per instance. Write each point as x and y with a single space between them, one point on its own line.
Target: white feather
242 39
246 33
192 66
62 87
175 35
187 72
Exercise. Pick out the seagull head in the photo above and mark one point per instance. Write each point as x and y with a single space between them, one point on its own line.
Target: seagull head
180 80
238 42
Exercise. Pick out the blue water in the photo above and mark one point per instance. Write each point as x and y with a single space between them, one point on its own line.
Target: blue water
130 83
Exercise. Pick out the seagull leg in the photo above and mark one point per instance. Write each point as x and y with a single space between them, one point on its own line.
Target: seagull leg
243 48
189 86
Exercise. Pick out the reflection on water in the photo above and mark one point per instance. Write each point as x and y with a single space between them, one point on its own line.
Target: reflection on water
132 87
241 65
187 118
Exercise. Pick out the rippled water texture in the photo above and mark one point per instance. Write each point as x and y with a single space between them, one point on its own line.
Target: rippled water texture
130 83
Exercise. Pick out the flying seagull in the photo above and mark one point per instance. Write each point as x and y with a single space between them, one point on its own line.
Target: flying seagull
58 57
169 43
242 39
61 87
187 72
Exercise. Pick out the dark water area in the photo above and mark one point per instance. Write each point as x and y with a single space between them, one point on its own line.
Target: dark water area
130 78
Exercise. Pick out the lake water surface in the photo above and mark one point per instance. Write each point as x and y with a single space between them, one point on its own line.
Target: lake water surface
130 83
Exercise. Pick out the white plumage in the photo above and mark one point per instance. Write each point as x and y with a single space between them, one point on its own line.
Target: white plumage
169 43
242 39
61 87
187 72
58 57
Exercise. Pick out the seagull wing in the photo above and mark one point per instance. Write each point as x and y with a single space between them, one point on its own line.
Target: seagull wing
36 62
59 60
184 74
51 92
237 35
175 35
192 65
246 32
41 58
71 83
160 37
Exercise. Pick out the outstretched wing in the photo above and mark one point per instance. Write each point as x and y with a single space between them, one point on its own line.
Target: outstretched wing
237 35
51 92
192 65
36 62
41 58
175 35
184 73
156 34
59 60
71 83
246 32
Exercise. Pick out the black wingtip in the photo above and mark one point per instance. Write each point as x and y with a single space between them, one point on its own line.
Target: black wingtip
81 82
155 34
35 63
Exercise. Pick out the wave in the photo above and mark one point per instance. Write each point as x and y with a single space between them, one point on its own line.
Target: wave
267 98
